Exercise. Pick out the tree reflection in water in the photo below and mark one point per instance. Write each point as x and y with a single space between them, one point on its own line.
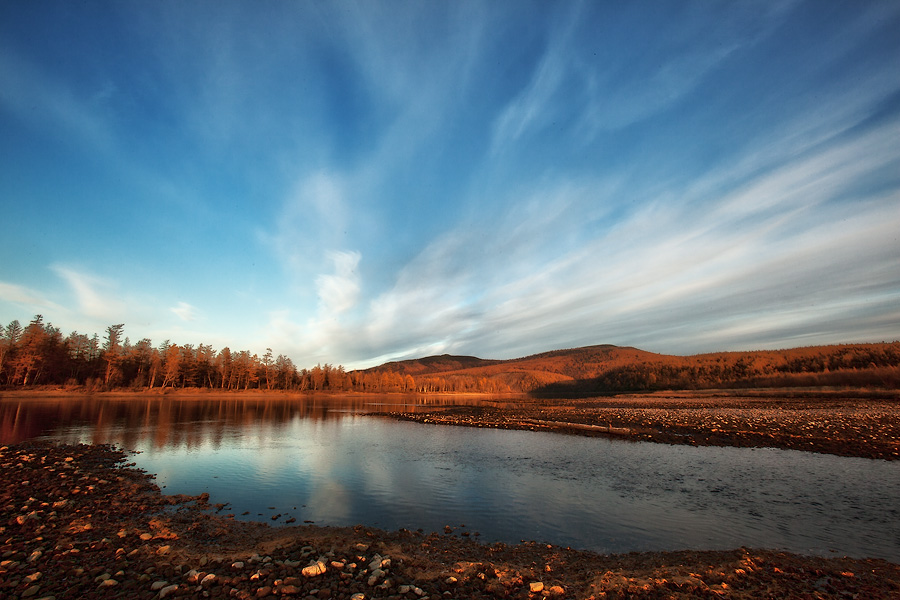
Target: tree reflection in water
190 419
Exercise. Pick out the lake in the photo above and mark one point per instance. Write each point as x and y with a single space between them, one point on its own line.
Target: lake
324 460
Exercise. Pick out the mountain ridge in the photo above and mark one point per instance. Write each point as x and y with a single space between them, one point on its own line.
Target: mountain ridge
606 367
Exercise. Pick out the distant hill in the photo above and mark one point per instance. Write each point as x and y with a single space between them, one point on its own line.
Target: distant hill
432 364
608 368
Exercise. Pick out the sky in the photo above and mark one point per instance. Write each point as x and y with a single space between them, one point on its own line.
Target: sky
352 183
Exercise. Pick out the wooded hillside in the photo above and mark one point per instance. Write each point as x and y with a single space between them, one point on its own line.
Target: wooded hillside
602 369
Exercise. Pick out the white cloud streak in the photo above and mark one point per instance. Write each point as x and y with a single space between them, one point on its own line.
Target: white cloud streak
610 86
780 229
96 297
24 296
38 98
185 311
777 259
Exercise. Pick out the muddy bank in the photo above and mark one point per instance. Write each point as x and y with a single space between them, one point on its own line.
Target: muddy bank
829 424
81 522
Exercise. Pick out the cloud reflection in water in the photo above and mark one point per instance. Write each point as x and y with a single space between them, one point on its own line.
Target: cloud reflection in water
338 468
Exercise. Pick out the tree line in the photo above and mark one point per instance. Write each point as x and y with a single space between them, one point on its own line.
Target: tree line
39 354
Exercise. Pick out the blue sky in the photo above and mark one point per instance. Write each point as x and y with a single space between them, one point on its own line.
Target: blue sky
359 182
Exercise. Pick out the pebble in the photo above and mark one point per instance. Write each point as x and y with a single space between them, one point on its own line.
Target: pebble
337 581
29 579
314 569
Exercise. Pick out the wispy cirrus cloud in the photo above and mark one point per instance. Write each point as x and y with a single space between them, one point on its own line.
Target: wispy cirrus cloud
760 256
95 297
592 83
458 177
185 311
39 98
25 296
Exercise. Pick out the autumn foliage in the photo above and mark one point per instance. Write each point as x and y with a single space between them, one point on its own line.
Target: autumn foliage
39 354
606 369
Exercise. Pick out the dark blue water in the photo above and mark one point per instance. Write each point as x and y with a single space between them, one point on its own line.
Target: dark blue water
335 467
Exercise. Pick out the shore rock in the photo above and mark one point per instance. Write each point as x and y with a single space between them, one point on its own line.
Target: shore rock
75 561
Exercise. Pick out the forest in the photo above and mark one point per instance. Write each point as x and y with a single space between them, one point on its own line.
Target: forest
39 355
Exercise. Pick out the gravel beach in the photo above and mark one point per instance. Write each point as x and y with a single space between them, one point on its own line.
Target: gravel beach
861 424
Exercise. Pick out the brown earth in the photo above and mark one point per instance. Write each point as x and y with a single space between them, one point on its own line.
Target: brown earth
831 422
79 522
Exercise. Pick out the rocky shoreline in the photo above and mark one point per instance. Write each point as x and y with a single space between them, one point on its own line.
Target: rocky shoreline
81 522
828 423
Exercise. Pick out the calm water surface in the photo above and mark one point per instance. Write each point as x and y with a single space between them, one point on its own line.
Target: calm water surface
321 460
